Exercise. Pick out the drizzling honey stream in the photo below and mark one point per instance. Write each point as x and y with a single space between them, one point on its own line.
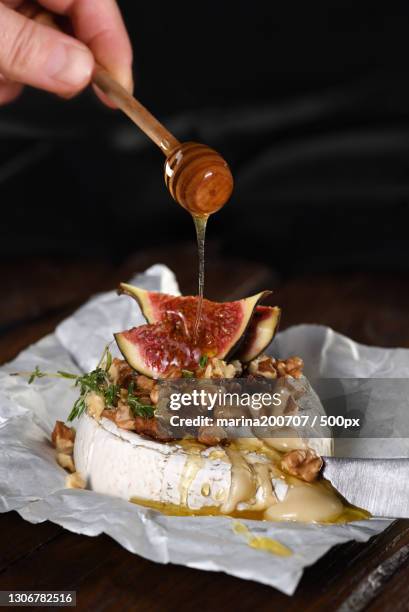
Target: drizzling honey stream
200 180
200 225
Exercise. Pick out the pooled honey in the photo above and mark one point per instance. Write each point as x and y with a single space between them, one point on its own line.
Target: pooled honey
350 513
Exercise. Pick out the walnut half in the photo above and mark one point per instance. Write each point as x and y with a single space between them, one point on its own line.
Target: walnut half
75 481
304 464
66 461
63 438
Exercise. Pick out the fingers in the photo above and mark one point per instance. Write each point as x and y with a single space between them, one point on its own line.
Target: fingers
34 54
99 24
12 3
40 56
9 91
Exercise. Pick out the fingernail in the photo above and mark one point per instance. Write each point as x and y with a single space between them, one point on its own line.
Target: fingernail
70 65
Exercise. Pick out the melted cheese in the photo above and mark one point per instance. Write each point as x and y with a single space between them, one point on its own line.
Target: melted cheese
242 484
283 445
307 503
265 496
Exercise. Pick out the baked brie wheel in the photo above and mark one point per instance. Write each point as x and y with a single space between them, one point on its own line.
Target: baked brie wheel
245 478
121 447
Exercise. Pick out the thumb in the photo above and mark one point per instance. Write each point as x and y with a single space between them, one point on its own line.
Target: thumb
37 55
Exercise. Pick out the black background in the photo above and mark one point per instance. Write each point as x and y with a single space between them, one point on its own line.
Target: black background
308 102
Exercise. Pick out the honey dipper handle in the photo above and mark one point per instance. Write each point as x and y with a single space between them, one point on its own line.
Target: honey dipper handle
135 111
118 94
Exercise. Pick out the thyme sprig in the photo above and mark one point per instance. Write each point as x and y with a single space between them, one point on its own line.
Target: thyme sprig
138 408
97 381
145 411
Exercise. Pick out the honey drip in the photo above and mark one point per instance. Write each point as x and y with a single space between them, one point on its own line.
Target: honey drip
261 542
200 225
191 469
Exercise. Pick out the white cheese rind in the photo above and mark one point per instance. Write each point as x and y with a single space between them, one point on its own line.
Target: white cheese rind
123 464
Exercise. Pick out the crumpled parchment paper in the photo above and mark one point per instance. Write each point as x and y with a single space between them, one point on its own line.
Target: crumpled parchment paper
32 483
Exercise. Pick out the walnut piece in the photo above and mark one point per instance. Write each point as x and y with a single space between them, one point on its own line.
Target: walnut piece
75 481
263 366
120 372
123 416
211 436
268 367
144 383
217 368
173 372
95 405
292 366
304 464
154 394
63 438
109 414
66 462
152 429
238 368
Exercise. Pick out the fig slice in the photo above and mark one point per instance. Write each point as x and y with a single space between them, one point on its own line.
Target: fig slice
260 333
168 341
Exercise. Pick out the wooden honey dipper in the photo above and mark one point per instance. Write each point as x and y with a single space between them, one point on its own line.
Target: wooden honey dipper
197 177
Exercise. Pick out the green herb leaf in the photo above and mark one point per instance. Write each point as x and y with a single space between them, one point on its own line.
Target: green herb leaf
77 409
144 411
36 374
97 381
187 374
67 375
111 395
138 408
203 361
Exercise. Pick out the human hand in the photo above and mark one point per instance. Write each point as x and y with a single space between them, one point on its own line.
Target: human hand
33 53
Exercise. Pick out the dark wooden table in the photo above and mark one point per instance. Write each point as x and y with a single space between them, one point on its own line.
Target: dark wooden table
374 576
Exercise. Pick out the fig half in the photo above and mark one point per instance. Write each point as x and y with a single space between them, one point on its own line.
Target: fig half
169 341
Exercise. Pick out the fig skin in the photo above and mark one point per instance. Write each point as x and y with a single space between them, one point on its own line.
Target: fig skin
260 333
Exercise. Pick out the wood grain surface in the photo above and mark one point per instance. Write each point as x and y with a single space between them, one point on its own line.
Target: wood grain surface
37 294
